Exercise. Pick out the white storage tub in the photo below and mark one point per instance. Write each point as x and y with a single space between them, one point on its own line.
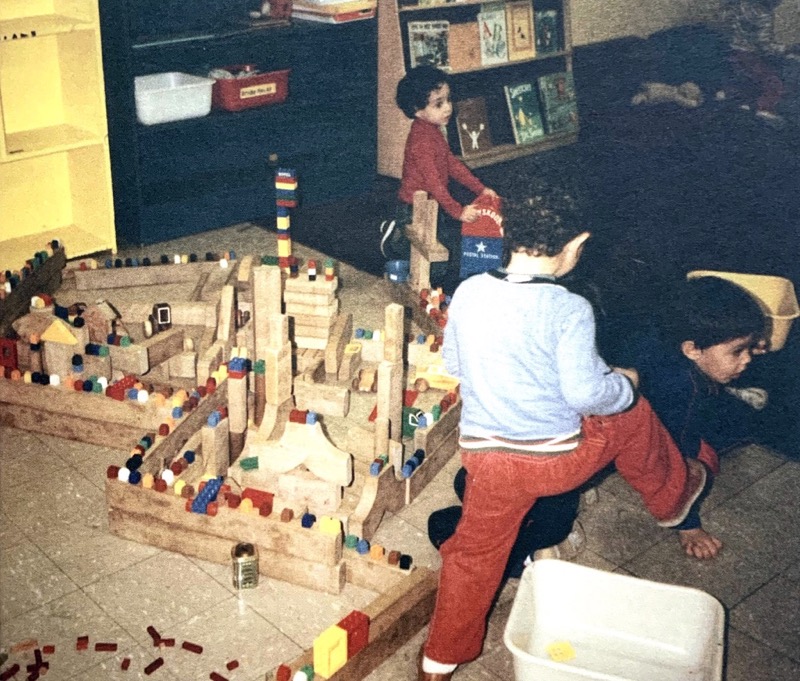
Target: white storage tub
619 628
173 96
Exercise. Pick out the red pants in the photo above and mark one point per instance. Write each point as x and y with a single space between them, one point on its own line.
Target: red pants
767 83
502 487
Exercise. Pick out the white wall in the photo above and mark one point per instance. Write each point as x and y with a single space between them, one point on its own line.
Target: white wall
597 20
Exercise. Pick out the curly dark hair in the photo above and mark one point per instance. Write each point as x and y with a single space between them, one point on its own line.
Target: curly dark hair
540 221
414 89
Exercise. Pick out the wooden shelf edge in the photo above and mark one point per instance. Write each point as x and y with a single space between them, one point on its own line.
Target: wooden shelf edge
508 152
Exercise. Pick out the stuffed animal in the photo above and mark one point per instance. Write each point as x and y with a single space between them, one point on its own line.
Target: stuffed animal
686 94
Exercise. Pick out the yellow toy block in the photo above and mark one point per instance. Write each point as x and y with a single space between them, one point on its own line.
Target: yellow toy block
330 651
330 525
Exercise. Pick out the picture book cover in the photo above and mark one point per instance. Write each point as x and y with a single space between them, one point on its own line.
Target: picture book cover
464 47
492 34
519 25
428 43
523 107
559 103
547 31
472 120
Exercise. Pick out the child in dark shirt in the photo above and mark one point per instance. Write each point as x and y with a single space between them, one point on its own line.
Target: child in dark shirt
428 165
711 329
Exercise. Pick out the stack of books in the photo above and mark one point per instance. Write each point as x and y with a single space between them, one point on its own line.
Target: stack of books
333 11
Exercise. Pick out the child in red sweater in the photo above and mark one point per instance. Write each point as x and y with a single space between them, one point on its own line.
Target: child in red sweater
423 95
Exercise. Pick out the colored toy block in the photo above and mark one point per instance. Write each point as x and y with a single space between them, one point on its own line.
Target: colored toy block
330 651
356 624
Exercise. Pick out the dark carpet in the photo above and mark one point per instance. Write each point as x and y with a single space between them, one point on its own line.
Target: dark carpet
666 190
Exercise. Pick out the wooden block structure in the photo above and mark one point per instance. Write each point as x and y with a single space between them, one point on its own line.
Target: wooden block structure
312 304
425 248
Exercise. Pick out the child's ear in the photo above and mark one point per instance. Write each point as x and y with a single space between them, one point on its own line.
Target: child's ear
690 350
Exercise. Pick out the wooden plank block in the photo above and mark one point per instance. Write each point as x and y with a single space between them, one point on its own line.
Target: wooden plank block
244 279
297 298
379 494
45 279
288 538
266 303
183 365
350 362
303 285
375 575
340 334
433 463
197 291
394 336
226 323
329 310
328 400
278 373
83 429
395 617
431 438
216 447
77 406
125 277
165 449
140 357
390 396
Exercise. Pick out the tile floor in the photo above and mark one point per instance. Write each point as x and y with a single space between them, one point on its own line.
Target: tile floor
62 575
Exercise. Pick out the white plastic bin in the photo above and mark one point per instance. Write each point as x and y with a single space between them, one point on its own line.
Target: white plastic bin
620 628
173 96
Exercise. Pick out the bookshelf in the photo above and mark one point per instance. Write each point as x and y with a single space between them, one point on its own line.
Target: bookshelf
478 80
54 161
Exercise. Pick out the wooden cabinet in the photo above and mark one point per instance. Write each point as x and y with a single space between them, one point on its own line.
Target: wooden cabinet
55 180
187 176
485 81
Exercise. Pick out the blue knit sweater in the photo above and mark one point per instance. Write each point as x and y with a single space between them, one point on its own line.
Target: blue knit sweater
526 357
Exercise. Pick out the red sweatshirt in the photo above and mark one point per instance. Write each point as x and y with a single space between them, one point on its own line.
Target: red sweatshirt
428 165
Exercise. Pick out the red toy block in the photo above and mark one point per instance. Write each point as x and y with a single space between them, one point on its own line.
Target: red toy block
151 630
8 353
283 673
356 624
192 647
125 664
233 664
298 415
258 497
105 647
155 664
82 643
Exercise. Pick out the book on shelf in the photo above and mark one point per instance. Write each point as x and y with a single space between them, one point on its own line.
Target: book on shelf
464 48
559 103
333 12
523 107
547 30
519 26
428 44
492 34
472 121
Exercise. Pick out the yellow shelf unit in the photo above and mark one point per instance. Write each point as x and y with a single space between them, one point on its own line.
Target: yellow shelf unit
54 163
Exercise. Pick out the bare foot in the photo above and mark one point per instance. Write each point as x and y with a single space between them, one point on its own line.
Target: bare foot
698 543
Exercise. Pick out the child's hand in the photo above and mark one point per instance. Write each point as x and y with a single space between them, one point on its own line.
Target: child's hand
489 192
469 214
761 347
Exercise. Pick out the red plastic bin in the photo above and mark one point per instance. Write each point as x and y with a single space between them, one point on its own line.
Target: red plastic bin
235 94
